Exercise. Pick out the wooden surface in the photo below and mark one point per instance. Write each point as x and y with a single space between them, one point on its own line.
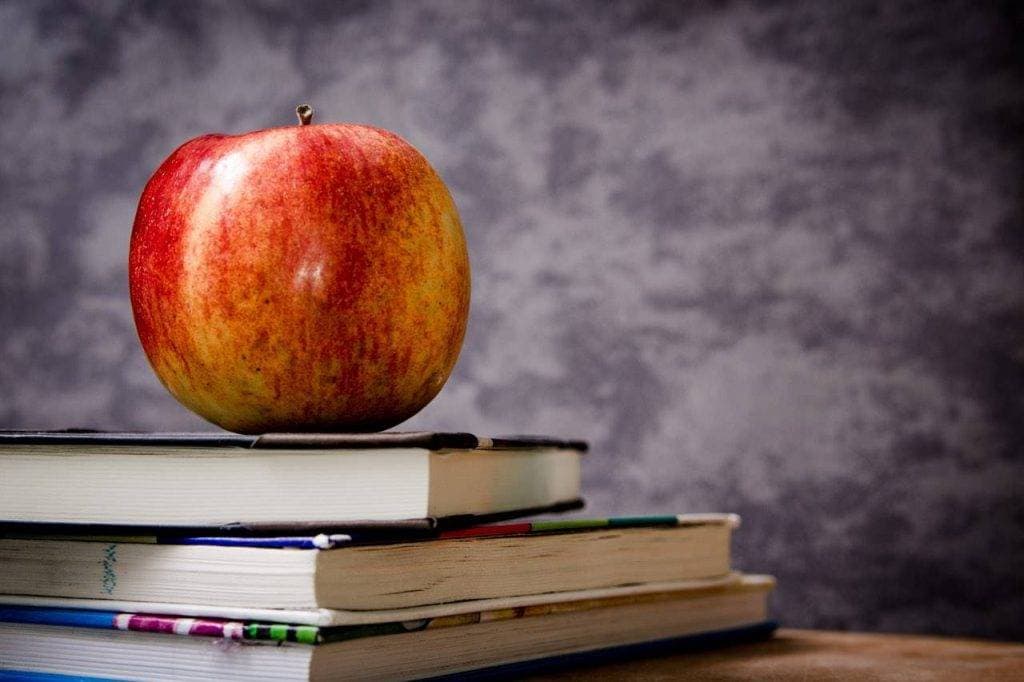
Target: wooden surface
814 655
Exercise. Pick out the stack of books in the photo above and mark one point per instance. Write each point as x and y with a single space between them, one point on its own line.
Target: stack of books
327 556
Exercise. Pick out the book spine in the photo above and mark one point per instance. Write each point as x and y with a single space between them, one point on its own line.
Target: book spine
233 630
321 541
559 526
33 615
170 625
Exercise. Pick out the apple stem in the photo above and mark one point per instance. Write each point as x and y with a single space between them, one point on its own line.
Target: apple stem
305 114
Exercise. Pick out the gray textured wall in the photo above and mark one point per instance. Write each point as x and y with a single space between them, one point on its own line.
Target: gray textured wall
767 258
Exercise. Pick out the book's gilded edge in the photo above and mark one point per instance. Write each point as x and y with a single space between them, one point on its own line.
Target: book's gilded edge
335 617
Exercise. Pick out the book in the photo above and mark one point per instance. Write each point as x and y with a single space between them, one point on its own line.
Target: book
339 572
322 617
247 484
140 646
704 641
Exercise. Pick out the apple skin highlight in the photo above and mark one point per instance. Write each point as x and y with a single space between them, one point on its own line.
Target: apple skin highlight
305 278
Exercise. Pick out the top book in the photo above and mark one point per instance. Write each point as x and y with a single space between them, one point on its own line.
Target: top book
252 484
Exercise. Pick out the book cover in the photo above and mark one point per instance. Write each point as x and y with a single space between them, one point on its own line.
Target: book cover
430 440
398 530
382 534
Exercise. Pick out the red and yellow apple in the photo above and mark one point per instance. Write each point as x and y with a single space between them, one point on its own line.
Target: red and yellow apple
304 278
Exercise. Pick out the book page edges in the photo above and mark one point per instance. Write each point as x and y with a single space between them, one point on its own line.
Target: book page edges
467 482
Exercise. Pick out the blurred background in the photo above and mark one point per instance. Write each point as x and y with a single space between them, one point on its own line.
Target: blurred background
767 258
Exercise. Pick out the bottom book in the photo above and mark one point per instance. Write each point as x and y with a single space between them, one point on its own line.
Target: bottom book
486 644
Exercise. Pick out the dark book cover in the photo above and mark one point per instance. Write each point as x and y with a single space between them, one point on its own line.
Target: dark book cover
430 440
370 530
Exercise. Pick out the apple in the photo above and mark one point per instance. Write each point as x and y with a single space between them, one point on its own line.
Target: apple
303 278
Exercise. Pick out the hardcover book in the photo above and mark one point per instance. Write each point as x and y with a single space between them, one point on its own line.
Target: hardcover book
273 482
358 571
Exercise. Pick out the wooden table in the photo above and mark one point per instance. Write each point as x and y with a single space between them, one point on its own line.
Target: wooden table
815 655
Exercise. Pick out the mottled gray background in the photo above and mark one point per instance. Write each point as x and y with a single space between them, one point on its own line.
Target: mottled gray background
767 258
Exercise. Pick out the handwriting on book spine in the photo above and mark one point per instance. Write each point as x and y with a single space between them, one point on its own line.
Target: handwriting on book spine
109 579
